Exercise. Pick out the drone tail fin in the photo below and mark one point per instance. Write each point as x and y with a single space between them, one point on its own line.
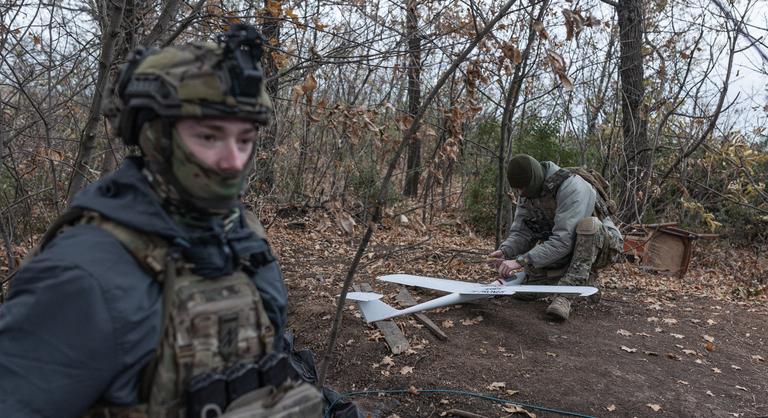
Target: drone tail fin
372 307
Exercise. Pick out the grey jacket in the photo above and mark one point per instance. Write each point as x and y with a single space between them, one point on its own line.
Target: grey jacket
83 317
574 200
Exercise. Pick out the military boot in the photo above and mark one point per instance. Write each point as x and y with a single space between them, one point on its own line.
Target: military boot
559 309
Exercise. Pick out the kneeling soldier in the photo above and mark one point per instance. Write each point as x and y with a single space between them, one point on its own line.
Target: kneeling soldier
563 231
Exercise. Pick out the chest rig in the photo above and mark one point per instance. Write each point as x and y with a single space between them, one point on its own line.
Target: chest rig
542 209
215 336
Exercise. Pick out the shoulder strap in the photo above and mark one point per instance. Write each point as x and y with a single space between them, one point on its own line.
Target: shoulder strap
149 250
254 224
553 182
604 205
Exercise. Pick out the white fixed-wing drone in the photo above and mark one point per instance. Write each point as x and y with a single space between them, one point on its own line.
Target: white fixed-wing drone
375 310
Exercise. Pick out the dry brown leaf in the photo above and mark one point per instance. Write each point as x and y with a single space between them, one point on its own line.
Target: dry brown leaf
496 386
309 85
670 321
387 361
656 407
406 370
447 323
538 26
474 321
511 392
628 350
551 354
611 407
757 358
709 346
514 409
690 352
413 391
624 332
708 339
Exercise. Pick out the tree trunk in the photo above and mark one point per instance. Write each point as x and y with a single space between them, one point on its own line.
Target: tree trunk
265 169
634 121
413 164
88 136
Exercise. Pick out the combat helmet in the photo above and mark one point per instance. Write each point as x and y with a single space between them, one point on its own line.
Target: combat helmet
156 87
192 80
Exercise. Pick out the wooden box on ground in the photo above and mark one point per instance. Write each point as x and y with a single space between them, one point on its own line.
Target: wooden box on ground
664 248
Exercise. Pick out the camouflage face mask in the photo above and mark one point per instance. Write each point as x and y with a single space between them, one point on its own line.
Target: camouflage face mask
203 182
182 180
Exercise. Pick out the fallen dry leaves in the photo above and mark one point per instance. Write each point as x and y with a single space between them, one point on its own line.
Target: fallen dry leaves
473 321
496 386
514 409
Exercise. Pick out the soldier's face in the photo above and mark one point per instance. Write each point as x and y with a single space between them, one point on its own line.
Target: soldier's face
223 144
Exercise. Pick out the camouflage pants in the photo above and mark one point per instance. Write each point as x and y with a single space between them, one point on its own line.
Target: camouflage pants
596 247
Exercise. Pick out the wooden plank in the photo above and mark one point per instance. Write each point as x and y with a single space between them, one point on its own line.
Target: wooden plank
392 334
405 300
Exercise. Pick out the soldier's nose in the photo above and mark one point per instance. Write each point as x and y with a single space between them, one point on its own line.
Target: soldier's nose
230 158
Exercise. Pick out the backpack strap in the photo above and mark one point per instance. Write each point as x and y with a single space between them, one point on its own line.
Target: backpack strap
604 206
553 182
149 250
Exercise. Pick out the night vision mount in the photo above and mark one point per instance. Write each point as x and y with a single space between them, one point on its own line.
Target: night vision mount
243 47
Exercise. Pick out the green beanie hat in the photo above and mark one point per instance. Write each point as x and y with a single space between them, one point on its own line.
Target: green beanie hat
525 173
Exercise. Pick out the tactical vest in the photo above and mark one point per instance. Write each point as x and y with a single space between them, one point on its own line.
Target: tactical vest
542 210
216 347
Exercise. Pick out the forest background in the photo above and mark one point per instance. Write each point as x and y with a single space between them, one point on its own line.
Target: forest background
423 101
405 112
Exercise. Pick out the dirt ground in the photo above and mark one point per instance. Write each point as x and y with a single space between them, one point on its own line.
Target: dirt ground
654 345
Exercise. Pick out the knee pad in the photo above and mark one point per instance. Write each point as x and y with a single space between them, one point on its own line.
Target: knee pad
588 226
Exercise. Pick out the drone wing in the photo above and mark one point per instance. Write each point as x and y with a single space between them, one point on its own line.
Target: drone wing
443 285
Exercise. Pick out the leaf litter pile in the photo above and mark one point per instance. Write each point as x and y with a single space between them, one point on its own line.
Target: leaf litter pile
655 344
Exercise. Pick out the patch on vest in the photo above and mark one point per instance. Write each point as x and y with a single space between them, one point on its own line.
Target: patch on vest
228 332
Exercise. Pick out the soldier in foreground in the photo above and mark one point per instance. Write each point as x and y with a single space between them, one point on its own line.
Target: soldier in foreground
563 230
157 294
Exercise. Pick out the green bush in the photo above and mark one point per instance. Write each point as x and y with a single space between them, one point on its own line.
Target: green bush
479 209
541 140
